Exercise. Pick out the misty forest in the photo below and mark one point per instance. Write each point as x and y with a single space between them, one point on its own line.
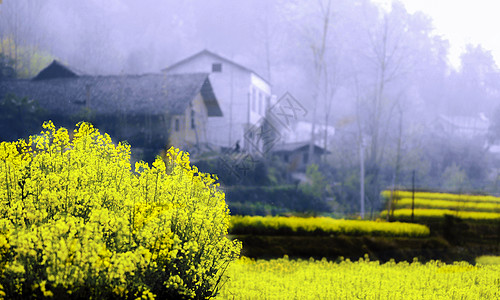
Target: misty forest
308 111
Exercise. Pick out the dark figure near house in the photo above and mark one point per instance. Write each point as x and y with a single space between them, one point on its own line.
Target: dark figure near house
237 147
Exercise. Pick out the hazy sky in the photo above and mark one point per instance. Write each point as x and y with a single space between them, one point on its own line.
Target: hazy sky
462 22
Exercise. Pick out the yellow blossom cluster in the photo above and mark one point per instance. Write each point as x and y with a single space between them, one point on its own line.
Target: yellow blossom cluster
76 221
362 279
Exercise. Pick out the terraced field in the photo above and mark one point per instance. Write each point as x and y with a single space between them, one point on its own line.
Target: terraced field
323 226
437 205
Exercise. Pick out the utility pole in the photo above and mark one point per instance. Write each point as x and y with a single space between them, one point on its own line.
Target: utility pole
231 95
362 176
319 64
413 196
247 144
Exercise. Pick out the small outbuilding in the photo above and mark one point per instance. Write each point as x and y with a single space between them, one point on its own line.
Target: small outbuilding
296 155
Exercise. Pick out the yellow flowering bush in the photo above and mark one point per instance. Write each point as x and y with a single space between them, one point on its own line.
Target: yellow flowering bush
76 221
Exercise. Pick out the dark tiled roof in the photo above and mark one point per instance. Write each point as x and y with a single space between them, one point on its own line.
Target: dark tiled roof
298 146
56 70
152 94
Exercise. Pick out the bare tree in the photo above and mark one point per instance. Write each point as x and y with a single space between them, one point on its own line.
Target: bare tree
318 48
332 80
390 58
312 24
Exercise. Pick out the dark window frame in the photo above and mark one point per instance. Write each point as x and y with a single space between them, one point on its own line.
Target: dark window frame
177 124
193 123
217 68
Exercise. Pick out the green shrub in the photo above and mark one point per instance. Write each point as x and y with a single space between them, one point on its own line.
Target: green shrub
256 209
284 198
20 115
75 221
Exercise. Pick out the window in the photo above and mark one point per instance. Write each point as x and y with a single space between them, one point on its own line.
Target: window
192 120
305 158
261 104
254 92
177 124
217 67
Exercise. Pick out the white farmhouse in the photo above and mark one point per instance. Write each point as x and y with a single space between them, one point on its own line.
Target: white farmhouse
243 96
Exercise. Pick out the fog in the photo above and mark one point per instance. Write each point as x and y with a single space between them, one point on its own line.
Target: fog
381 78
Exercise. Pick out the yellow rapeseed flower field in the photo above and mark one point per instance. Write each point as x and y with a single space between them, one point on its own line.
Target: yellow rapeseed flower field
443 196
488 260
363 279
405 213
324 226
437 205
447 204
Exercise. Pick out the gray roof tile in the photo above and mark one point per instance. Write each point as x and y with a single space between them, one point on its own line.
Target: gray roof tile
152 94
